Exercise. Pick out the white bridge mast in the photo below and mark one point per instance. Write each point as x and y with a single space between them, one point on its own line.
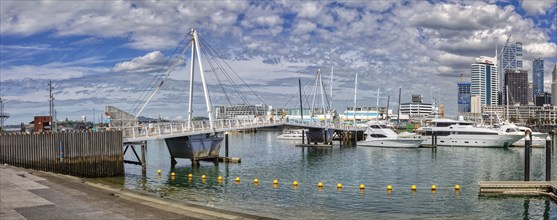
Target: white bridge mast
195 45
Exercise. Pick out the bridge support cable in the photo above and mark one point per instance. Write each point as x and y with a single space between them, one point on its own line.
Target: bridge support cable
166 75
160 74
216 55
190 98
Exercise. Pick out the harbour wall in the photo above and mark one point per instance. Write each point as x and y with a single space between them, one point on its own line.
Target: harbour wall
82 154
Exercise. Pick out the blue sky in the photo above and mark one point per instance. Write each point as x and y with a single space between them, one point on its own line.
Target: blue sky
100 53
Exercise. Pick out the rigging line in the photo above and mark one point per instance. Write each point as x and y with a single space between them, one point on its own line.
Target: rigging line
294 95
152 83
225 73
167 74
216 75
258 97
217 62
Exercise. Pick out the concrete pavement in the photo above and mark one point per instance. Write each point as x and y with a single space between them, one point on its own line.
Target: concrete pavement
30 194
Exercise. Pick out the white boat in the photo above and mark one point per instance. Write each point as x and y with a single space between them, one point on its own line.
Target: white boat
380 135
452 133
538 138
291 134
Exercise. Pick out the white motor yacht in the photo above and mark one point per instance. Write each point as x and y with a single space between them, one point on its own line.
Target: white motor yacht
380 135
291 134
538 138
453 133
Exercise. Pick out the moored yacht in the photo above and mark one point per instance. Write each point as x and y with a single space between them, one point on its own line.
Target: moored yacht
538 138
291 134
380 135
453 133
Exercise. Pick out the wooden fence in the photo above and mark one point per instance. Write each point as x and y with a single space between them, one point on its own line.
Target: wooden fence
82 154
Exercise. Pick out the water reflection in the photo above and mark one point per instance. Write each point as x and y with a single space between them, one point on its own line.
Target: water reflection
265 158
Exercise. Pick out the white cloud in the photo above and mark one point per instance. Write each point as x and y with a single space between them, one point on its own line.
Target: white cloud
537 7
148 63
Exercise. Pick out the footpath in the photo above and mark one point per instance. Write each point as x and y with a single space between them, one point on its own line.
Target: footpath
30 194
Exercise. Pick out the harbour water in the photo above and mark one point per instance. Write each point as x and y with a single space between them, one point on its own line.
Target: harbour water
266 158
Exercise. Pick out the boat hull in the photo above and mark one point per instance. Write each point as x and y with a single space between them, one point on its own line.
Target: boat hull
391 142
473 140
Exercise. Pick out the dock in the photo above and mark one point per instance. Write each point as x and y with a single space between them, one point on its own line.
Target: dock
315 145
546 188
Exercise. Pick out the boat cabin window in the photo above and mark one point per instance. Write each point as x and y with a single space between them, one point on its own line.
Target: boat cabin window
477 133
378 126
511 130
443 124
377 136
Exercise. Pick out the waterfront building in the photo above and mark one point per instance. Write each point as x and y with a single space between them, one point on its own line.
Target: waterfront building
539 116
485 80
464 96
554 86
365 113
537 75
516 84
241 111
416 108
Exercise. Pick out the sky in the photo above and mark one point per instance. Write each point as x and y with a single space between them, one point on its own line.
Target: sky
100 53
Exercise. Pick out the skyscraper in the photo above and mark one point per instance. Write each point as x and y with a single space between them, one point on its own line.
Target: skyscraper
485 80
554 86
537 73
511 59
516 84
531 97
464 96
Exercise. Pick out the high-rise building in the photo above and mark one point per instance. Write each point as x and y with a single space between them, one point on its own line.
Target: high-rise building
531 98
537 75
510 59
554 86
464 96
516 84
485 80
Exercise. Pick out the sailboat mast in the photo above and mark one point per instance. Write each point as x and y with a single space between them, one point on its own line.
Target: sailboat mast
301 106
355 95
331 87
398 112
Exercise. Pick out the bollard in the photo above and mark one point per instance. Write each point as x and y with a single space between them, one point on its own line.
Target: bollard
548 158
527 158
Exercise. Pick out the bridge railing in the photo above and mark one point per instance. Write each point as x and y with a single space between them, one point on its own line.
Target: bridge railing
154 130
171 128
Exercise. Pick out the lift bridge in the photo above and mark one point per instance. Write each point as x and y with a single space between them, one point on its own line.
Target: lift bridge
200 139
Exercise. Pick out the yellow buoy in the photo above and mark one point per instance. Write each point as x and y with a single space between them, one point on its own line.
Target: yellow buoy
190 175
320 184
295 183
237 179
159 172
457 187
414 187
203 177
362 186
256 181
433 187
275 181
173 174
339 186
220 178
389 187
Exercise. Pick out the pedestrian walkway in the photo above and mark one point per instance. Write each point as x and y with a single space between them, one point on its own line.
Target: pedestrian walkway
26 194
